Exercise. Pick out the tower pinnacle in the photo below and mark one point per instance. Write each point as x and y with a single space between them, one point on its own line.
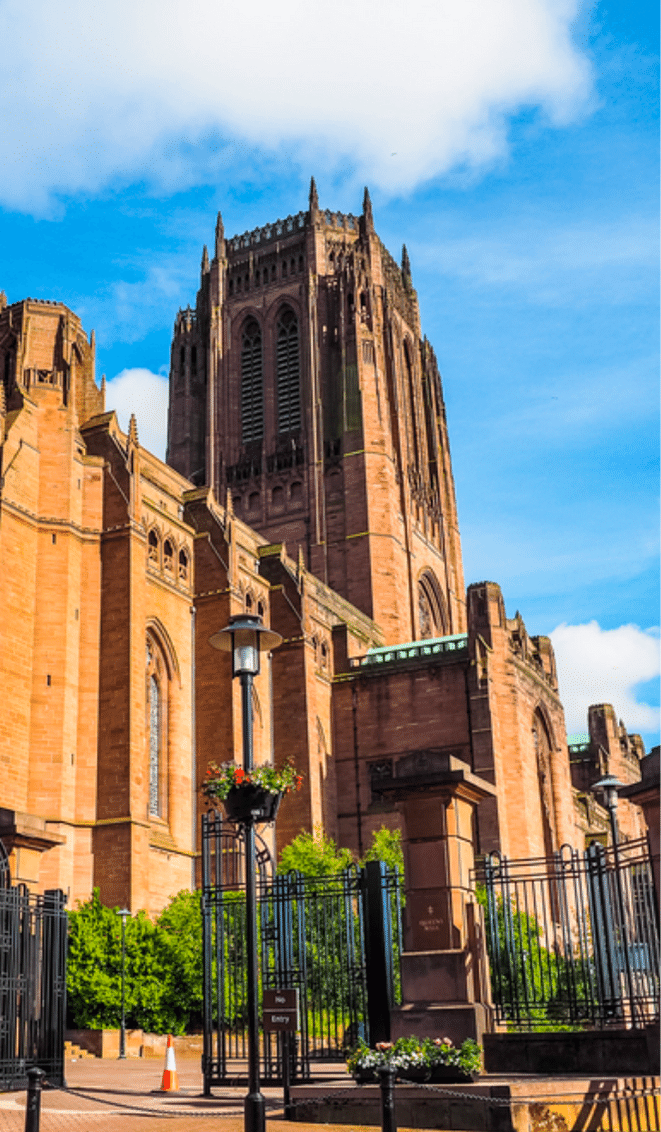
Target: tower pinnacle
220 238
367 210
406 266
314 197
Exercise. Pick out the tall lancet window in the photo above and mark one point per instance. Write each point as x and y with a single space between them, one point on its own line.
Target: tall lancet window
288 372
157 687
155 743
252 388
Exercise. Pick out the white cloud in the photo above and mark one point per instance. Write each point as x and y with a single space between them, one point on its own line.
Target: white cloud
598 665
127 311
399 92
144 393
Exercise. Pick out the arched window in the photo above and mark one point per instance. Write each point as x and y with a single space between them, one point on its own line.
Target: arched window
152 546
252 391
168 555
183 566
411 392
157 698
288 372
155 743
432 618
542 746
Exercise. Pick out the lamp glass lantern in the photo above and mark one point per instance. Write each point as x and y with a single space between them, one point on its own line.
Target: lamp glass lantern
610 786
246 638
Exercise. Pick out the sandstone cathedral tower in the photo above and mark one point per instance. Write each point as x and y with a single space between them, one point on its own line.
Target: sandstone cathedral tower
302 385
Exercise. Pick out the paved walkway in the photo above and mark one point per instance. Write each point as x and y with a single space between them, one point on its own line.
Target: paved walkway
114 1096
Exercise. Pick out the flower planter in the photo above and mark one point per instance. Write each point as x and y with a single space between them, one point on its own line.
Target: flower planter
365 1076
251 803
450 1075
417 1073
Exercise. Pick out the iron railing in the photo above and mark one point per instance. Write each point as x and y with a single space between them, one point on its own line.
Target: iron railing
335 939
573 940
33 943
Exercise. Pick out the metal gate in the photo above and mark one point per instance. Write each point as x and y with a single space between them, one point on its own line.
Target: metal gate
573 940
33 943
335 939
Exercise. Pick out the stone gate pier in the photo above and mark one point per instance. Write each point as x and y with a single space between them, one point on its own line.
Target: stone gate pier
444 963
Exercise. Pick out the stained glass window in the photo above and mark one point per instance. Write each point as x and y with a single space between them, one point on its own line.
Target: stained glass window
154 746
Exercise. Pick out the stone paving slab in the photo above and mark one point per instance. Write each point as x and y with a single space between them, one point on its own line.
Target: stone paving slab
116 1096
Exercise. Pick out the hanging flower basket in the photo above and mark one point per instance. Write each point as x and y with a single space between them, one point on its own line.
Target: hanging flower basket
246 803
250 796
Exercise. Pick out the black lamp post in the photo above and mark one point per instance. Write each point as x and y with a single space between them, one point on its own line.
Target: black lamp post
609 786
123 912
245 637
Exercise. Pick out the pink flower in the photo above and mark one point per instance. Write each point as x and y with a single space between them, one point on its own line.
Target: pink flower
383 1046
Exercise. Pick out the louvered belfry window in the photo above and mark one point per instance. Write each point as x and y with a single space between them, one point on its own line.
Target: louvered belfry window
288 373
252 388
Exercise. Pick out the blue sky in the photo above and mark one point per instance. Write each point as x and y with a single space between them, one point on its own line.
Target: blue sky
511 144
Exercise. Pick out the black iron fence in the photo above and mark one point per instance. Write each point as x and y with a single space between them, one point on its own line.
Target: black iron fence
33 942
335 939
573 940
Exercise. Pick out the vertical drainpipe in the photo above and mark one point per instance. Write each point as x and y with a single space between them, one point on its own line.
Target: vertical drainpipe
356 766
193 755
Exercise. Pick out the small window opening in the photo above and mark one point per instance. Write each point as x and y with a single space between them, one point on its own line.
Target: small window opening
260 608
48 680
168 555
183 565
284 268
54 538
152 544
248 602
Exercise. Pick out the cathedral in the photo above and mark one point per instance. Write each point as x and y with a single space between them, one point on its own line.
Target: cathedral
309 481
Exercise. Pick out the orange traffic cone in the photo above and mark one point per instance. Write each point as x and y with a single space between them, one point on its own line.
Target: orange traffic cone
170 1083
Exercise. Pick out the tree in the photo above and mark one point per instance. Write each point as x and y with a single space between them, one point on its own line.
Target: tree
386 846
163 972
314 855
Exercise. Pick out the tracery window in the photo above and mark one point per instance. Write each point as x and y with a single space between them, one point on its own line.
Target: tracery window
152 546
252 390
168 555
288 370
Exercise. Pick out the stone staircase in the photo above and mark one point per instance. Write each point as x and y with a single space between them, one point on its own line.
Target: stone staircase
73 1052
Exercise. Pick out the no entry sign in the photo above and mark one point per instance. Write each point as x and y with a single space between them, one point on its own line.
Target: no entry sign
280 1011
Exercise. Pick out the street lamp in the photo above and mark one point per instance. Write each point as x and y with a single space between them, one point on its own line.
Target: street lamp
609 786
123 912
245 637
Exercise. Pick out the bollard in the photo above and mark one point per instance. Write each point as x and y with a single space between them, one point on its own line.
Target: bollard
33 1100
387 1081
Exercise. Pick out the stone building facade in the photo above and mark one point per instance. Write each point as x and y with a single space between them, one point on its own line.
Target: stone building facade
310 483
301 382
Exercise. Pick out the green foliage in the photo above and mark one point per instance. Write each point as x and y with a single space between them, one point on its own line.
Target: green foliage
525 971
314 855
386 846
416 1053
163 971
